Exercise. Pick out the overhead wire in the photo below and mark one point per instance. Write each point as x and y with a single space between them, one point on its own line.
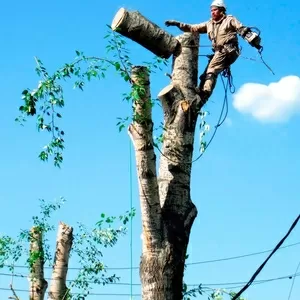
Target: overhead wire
226 284
266 260
189 264
293 282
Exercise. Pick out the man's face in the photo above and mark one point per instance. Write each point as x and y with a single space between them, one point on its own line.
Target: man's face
216 13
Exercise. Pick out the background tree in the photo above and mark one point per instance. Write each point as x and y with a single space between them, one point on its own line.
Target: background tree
84 245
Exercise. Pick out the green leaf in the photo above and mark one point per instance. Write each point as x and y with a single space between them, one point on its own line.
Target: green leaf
117 66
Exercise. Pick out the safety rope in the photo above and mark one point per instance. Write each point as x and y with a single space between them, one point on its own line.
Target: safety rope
226 74
130 196
263 61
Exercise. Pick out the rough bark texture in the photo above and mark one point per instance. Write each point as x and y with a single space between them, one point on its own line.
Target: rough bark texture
167 210
37 282
144 32
58 288
141 132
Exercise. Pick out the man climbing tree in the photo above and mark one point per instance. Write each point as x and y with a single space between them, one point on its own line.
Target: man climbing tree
222 30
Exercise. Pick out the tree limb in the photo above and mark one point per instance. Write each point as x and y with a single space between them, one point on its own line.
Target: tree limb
64 242
139 29
38 284
141 133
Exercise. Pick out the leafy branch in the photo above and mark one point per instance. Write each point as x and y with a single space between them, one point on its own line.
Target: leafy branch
87 247
47 100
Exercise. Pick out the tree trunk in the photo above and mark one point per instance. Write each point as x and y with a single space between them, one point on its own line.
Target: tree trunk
167 210
58 289
37 282
139 29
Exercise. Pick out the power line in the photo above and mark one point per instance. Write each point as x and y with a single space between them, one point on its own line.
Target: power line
292 286
189 264
248 284
238 283
239 256
241 283
89 294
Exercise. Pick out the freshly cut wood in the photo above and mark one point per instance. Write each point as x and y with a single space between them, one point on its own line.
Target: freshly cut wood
168 95
185 64
136 27
58 289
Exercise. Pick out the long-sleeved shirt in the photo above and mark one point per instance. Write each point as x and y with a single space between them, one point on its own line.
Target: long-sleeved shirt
219 32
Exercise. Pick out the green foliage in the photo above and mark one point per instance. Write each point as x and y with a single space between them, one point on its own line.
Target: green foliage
219 295
47 100
192 293
204 128
6 246
13 249
86 250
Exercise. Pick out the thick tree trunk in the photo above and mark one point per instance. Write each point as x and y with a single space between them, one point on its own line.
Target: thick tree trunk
178 211
37 282
167 210
58 289
144 32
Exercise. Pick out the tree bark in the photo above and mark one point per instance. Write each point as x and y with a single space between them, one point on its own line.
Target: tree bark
178 210
167 209
141 133
58 288
37 282
144 32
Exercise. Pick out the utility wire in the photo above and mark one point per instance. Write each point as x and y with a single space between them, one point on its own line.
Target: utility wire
189 264
239 256
267 259
89 294
229 284
292 286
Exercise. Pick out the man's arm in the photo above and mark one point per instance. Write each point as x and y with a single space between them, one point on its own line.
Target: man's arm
245 32
200 28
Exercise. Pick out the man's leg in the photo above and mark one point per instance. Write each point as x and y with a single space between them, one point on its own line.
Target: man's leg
219 62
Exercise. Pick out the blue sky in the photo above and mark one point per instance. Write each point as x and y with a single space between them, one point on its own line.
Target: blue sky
246 186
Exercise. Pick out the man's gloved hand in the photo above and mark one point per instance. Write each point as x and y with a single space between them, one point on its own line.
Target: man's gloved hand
172 23
256 43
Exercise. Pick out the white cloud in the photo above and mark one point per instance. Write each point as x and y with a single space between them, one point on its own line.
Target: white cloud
276 102
228 122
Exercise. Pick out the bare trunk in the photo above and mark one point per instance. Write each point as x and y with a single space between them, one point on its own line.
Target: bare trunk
58 289
167 210
37 282
136 27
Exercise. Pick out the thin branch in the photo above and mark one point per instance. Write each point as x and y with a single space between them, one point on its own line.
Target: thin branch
15 296
121 59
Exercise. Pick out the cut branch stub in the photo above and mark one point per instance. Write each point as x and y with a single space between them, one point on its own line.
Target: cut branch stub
58 288
133 25
185 64
141 133
169 95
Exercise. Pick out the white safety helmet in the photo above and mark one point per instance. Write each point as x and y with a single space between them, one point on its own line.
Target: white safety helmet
218 3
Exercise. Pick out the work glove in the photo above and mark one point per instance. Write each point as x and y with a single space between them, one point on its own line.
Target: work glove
172 23
256 43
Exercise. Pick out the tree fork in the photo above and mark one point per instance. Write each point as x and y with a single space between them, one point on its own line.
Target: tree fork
144 32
